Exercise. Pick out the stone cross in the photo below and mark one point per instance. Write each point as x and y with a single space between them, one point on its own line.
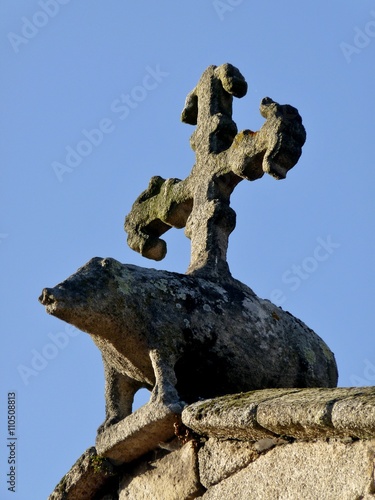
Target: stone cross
201 202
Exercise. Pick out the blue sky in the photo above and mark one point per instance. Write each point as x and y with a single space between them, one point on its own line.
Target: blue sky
308 241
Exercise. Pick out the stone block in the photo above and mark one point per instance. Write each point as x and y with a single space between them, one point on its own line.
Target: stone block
140 432
87 476
312 413
355 415
173 477
220 459
233 416
304 414
312 471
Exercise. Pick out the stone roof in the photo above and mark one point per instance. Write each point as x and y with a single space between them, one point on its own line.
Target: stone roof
261 417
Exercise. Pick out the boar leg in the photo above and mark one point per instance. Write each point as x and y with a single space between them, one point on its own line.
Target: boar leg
164 391
119 395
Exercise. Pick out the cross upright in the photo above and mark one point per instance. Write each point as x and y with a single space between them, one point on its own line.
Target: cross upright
201 202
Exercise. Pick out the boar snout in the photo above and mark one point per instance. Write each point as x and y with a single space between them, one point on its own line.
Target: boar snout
53 300
47 298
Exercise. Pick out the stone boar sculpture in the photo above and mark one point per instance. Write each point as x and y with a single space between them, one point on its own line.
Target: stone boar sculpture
185 338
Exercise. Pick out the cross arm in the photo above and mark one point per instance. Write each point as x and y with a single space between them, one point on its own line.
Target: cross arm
274 149
164 204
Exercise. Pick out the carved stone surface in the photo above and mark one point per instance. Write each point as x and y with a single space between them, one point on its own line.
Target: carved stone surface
223 159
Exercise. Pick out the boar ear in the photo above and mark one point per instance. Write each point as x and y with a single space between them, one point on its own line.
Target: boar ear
109 263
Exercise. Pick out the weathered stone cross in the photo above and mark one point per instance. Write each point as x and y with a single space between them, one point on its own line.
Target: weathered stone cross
223 159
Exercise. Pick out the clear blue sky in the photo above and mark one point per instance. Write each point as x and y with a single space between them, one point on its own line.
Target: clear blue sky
67 68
